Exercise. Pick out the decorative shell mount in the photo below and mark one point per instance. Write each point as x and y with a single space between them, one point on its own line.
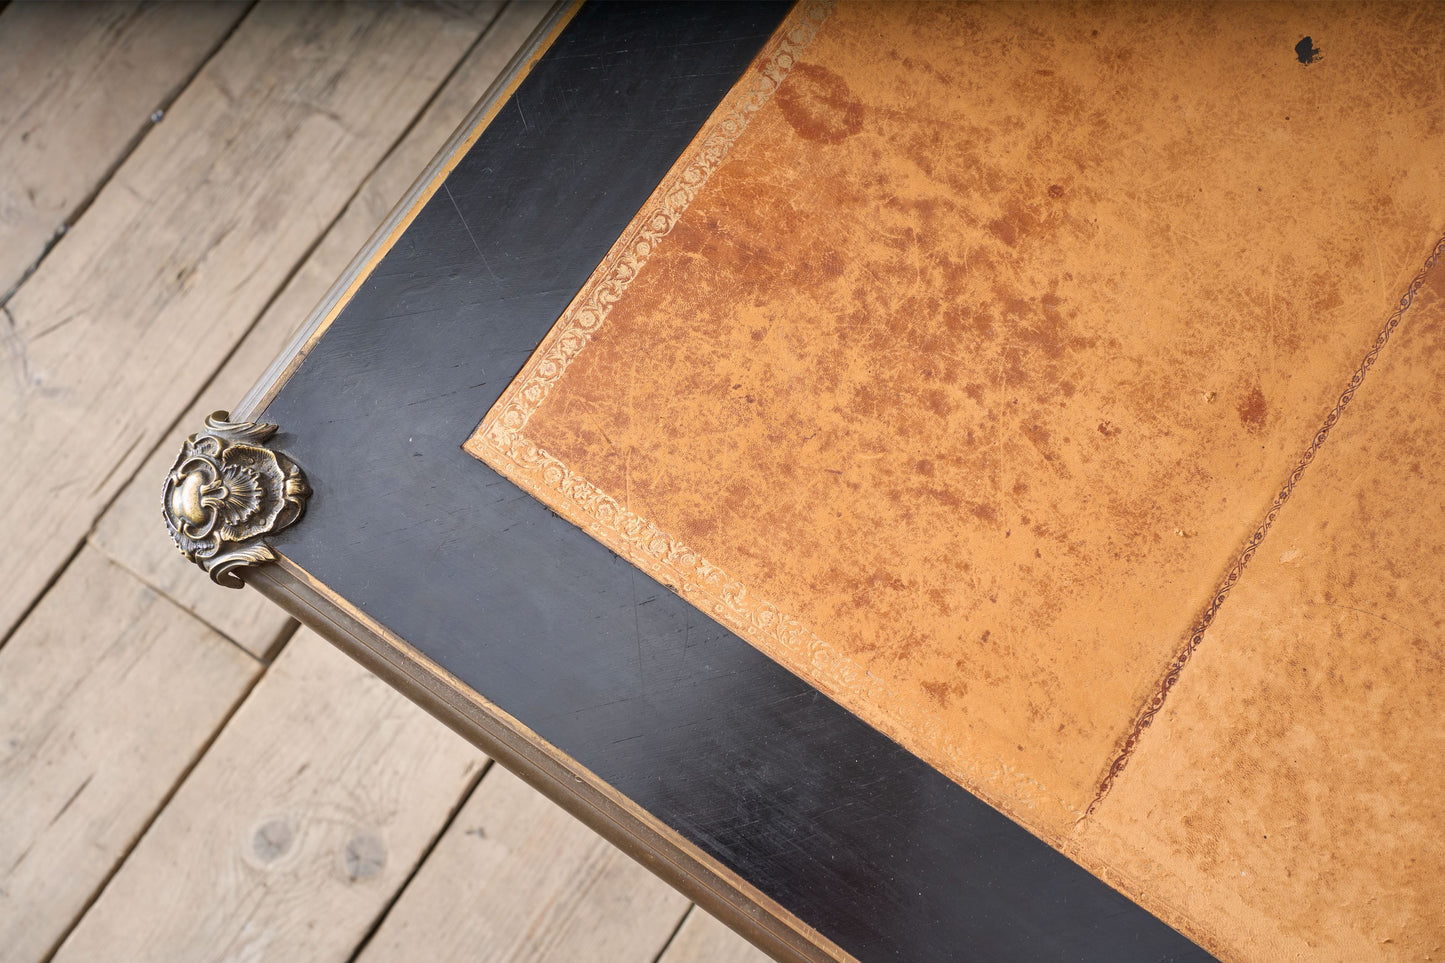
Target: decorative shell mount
225 493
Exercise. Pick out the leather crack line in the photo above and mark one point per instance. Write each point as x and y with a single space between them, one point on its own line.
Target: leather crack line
1196 633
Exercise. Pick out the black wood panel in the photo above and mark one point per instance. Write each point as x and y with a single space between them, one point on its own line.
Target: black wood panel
830 818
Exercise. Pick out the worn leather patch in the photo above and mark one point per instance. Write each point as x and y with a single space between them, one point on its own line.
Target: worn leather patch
962 356
1288 794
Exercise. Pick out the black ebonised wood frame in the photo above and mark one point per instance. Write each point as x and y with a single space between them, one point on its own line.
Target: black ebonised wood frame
767 803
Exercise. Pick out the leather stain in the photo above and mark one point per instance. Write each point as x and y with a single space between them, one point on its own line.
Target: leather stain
817 103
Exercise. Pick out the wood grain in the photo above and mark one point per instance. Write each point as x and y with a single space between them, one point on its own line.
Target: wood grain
72 110
516 879
130 531
702 939
130 314
109 693
295 830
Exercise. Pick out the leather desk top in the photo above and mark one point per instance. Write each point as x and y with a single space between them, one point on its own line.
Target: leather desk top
1051 391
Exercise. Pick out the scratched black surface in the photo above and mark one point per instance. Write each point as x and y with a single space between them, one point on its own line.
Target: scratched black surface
836 822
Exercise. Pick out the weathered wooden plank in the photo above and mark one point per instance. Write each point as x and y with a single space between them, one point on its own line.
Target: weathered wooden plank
702 939
130 531
108 692
80 83
294 831
515 878
130 314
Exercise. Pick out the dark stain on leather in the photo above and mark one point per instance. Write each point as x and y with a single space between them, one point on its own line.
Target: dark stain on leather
1306 51
1253 410
943 496
1005 230
938 692
1017 223
817 103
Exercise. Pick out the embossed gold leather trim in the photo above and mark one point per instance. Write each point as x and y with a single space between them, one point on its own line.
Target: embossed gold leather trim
632 251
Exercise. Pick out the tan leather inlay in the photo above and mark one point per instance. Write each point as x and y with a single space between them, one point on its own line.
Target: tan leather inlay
956 362
1289 794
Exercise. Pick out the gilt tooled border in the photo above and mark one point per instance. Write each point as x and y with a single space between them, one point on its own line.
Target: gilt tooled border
633 250
503 433
792 643
1196 633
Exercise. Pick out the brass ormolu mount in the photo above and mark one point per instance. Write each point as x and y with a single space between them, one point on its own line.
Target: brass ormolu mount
226 493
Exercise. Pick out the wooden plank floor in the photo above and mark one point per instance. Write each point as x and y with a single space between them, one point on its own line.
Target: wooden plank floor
183 774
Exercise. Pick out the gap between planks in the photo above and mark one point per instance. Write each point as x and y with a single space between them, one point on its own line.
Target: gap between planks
97 736
90 101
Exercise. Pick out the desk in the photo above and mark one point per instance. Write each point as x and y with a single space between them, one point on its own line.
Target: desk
1104 338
